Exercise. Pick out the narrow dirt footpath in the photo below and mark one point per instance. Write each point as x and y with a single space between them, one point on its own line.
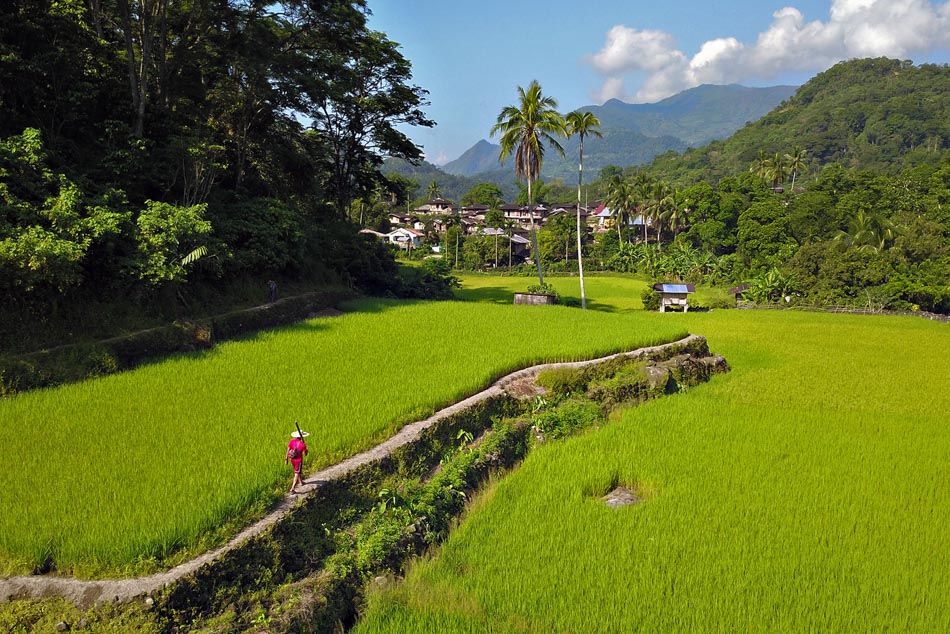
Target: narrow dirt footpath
519 384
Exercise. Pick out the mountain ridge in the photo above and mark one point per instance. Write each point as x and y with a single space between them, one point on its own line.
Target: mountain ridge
690 118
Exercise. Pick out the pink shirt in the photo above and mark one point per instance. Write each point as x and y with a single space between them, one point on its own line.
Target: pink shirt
300 446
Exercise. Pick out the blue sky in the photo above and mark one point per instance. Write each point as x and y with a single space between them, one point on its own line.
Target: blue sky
472 56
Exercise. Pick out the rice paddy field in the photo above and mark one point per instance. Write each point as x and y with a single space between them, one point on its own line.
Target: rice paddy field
134 472
609 292
807 490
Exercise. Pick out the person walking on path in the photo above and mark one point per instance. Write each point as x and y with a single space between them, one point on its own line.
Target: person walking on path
296 450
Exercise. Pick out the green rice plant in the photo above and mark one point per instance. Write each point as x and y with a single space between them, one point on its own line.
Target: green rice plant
803 491
136 471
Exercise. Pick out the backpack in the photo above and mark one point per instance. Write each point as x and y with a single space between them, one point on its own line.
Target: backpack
293 453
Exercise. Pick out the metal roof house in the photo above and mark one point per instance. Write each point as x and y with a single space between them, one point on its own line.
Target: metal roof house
674 296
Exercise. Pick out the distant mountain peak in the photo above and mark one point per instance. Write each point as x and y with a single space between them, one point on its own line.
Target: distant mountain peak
635 133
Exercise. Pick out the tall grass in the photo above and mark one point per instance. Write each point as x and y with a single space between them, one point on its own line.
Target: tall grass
131 471
804 491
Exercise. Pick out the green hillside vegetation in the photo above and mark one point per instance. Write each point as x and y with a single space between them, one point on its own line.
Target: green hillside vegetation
451 186
158 158
881 115
695 116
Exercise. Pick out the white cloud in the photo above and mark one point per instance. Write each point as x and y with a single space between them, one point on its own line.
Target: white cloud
855 28
629 49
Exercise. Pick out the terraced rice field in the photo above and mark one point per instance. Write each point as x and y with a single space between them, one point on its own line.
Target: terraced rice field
137 471
804 491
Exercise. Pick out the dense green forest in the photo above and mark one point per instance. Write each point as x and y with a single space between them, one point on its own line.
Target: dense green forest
153 150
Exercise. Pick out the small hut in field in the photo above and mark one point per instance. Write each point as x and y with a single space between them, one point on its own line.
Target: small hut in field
739 292
674 296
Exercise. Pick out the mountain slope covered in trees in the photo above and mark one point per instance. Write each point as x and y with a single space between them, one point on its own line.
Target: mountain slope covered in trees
877 114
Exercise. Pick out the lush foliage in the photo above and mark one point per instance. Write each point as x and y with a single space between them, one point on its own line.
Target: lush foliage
777 497
146 145
875 114
147 462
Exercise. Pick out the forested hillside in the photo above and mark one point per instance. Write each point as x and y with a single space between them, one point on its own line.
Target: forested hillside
151 148
871 114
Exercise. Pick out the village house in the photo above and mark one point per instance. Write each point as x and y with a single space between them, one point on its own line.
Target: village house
405 238
605 221
375 234
520 245
399 219
476 212
523 215
437 206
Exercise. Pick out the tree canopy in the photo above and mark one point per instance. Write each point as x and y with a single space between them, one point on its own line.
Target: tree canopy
133 132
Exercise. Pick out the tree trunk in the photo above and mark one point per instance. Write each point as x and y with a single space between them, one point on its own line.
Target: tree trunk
580 259
129 51
534 236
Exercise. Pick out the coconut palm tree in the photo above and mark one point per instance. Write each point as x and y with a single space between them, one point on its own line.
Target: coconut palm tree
621 198
434 191
495 219
760 166
524 130
509 226
676 216
867 232
795 162
453 220
581 124
776 170
660 199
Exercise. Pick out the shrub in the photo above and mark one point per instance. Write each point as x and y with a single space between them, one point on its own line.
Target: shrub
651 299
543 289
567 417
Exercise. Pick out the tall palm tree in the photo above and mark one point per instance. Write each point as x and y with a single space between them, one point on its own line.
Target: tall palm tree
760 166
453 220
867 231
660 198
776 170
524 130
581 124
509 228
495 219
434 191
622 200
795 162
676 217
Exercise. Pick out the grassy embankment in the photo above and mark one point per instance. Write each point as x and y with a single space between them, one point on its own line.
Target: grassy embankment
136 471
804 491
